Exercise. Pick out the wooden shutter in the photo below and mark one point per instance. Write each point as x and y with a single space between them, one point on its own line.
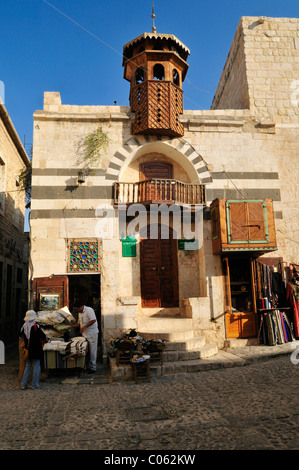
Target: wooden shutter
256 221
238 221
157 190
246 222
155 169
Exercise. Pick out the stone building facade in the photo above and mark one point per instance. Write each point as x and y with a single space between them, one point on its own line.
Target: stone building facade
245 148
13 242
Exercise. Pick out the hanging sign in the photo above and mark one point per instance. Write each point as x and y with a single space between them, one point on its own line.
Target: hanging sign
188 244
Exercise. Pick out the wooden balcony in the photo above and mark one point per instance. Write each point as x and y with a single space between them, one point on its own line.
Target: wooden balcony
159 191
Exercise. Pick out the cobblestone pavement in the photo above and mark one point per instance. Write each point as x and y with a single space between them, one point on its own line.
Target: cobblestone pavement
245 408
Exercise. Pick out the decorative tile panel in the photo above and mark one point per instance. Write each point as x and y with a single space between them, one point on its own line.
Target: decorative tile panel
83 256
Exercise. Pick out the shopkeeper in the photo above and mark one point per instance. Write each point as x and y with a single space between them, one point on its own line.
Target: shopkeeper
88 324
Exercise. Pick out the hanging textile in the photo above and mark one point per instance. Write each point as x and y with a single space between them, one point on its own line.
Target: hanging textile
271 292
275 328
293 298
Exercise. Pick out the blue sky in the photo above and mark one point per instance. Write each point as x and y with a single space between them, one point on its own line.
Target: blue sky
42 50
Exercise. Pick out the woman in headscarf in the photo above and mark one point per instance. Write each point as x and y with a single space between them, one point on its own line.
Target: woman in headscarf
34 338
25 332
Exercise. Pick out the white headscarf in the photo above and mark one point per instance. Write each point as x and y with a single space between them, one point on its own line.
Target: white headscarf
30 319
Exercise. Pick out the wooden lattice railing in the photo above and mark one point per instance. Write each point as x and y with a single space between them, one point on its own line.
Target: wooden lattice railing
159 191
157 106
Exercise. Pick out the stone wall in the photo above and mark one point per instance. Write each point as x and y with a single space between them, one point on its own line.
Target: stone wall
13 241
268 64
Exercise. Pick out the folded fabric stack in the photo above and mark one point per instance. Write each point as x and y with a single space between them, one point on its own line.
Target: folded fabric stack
59 346
74 348
77 347
55 323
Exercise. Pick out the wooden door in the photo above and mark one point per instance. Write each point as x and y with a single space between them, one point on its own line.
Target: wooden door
55 285
155 169
159 271
158 190
240 323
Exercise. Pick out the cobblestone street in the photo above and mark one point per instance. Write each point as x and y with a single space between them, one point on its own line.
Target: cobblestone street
245 408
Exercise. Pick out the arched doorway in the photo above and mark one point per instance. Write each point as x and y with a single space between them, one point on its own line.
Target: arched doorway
159 269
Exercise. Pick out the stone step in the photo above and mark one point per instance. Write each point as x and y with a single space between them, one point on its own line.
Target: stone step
163 324
161 312
170 336
190 344
174 362
200 353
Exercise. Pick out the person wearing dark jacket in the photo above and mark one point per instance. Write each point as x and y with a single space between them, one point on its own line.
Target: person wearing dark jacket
34 339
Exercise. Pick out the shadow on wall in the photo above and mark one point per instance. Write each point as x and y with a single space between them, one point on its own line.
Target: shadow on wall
13 269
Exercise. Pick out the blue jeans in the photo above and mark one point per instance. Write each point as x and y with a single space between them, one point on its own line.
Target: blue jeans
35 363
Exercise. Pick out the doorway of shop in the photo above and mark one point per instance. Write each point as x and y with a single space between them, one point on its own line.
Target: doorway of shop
86 288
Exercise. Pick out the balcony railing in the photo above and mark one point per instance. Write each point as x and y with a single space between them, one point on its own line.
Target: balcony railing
159 191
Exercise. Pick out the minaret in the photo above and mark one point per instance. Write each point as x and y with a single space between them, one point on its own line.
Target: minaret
155 65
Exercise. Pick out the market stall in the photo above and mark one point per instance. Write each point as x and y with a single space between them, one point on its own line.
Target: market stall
132 349
278 323
64 349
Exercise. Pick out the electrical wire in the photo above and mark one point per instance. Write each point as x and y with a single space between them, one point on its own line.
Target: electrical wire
112 48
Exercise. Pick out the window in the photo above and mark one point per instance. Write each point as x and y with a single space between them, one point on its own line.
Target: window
158 72
17 212
247 221
19 275
9 287
139 75
176 77
2 187
83 256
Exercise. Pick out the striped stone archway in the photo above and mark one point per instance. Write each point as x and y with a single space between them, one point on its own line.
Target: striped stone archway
189 156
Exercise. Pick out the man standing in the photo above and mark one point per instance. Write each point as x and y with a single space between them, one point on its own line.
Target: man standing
88 324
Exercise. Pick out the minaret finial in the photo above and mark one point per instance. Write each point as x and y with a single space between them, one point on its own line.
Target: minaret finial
153 16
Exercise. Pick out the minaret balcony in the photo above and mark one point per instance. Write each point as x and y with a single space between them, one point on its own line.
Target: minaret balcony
159 191
157 105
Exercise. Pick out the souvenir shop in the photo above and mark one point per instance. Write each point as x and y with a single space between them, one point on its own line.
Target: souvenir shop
262 299
54 297
261 292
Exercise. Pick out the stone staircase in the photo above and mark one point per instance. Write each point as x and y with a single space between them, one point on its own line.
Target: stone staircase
185 351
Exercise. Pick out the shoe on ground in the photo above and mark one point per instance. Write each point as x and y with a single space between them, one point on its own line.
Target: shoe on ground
91 371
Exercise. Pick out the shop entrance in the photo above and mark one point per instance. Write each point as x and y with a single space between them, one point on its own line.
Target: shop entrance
240 305
68 289
85 288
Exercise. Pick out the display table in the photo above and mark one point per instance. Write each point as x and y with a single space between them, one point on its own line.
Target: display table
140 367
56 360
65 355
